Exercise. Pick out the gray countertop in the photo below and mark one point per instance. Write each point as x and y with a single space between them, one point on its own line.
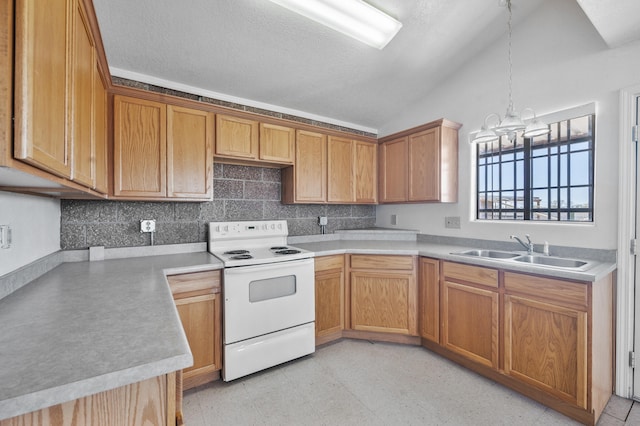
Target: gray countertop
87 327
597 271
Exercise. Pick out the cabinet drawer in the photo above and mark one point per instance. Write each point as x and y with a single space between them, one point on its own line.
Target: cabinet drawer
193 284
404 263
470 273
560 291
326 263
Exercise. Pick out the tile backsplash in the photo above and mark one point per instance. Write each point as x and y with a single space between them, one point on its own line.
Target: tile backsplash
239 192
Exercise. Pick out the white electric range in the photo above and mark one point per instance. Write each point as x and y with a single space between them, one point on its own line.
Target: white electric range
268 296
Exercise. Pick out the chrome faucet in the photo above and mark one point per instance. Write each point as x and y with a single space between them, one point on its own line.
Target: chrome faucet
528 246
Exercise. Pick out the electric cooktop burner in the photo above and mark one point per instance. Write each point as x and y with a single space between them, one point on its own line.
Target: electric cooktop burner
236 252
288 251
242 256
279 248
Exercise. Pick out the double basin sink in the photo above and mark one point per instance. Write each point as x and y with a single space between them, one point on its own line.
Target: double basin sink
532 259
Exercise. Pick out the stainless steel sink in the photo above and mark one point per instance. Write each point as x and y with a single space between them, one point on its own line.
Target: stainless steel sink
494 254
558 262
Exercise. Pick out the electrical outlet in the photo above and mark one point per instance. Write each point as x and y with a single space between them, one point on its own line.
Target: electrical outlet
5 236
147 225
394 219
322 220
452 222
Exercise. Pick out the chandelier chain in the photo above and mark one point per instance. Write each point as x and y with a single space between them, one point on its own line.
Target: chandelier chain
510 60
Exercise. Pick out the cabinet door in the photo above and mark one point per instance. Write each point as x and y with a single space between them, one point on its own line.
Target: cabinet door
329 302
189 153
393 171
384 302
424 166
546 346
41 72
311 167
201 318
340 173
236 137
140 157
276 143
366 172
83 67
429 299
470 322
100 132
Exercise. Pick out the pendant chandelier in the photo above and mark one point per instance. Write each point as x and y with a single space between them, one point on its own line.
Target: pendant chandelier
512 123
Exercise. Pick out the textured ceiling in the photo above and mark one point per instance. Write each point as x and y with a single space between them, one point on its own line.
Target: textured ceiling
256 50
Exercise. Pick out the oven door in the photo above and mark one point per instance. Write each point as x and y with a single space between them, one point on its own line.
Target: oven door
262 299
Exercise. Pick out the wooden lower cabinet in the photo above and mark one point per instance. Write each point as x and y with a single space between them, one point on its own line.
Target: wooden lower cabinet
198 300
546 346
429 299
470 312
149 403
329 289
384 294
550 339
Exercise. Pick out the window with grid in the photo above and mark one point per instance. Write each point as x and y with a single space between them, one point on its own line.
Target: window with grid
546 178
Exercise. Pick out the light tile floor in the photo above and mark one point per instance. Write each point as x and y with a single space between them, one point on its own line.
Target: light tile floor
356 382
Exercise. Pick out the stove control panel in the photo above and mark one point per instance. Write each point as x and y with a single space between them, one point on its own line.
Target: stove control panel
249 229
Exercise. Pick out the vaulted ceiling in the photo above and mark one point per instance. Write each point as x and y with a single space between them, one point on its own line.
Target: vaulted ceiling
258 53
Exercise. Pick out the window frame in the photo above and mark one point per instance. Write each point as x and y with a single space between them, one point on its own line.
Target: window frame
526 153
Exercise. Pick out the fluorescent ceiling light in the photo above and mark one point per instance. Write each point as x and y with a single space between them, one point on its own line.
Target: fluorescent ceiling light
354 18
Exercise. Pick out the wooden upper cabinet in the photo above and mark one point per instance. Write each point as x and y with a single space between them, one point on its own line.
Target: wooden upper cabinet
331 169
237 137
42 71
340 170
420 164
189 153
276 143
366 172
424 156
306 182
82 103
393 170
100 133
161 151
139 147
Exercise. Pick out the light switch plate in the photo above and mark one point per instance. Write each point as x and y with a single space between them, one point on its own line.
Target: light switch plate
452 222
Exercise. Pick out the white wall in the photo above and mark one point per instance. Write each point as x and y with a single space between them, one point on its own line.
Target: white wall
560 61
35 222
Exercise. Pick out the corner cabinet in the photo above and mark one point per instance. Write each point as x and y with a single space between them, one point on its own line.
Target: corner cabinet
420 164
197 297
329 292
384 294
161 151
